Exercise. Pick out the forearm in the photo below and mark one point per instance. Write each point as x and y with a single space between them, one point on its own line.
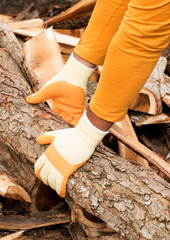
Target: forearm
98 122
131 57
103 25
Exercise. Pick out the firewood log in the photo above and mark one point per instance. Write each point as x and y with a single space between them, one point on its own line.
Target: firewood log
61 38
9 42
132 200
107 186
13 236
81 9
42 53
31 23
35 220
124 151
141 149
10 189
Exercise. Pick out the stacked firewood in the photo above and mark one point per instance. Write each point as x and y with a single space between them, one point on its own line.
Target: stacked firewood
122 192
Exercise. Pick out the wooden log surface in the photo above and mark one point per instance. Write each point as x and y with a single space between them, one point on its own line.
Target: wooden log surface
42 54
36 220
138 147
126 152
13 236
10 189
26 124
132 200
80 9
9 41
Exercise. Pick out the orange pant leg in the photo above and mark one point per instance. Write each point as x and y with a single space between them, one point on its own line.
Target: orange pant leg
104 23
131 57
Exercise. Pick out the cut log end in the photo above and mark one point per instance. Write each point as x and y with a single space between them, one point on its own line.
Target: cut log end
147 102
10 189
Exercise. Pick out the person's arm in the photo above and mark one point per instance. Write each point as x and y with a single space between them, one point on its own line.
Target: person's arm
69 149
66 90
98 122
103 25
131 57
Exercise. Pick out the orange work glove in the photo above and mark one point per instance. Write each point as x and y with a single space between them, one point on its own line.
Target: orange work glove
67 91
69 149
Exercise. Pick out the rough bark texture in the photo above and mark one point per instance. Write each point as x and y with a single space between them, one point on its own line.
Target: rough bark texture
9 41
130 199
121 193
20 124
73 23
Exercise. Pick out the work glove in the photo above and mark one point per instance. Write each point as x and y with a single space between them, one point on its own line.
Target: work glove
69 149
67 91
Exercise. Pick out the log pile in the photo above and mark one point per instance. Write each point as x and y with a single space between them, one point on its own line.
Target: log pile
120 193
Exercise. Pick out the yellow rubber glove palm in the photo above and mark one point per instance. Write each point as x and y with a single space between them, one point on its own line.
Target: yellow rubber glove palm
69 149
67 91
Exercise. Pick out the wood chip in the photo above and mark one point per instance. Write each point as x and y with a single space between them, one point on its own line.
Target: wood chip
13 236
140 149
166 100
124 151
42 54
5 18
157 119
32 23
61 38
10 189
82 8
36 220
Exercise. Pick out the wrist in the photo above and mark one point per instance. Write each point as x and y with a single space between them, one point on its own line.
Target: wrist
83 61
88 134
76 73
98 122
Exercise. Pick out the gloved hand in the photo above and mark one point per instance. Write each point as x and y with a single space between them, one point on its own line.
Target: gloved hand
69 149
67 91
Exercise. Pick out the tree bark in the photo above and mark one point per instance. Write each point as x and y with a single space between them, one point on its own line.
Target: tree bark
132 200
20 124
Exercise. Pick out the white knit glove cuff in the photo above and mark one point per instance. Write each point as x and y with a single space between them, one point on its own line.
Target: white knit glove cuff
90 135
75 72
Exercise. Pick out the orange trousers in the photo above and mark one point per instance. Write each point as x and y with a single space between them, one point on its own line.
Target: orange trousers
127 38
